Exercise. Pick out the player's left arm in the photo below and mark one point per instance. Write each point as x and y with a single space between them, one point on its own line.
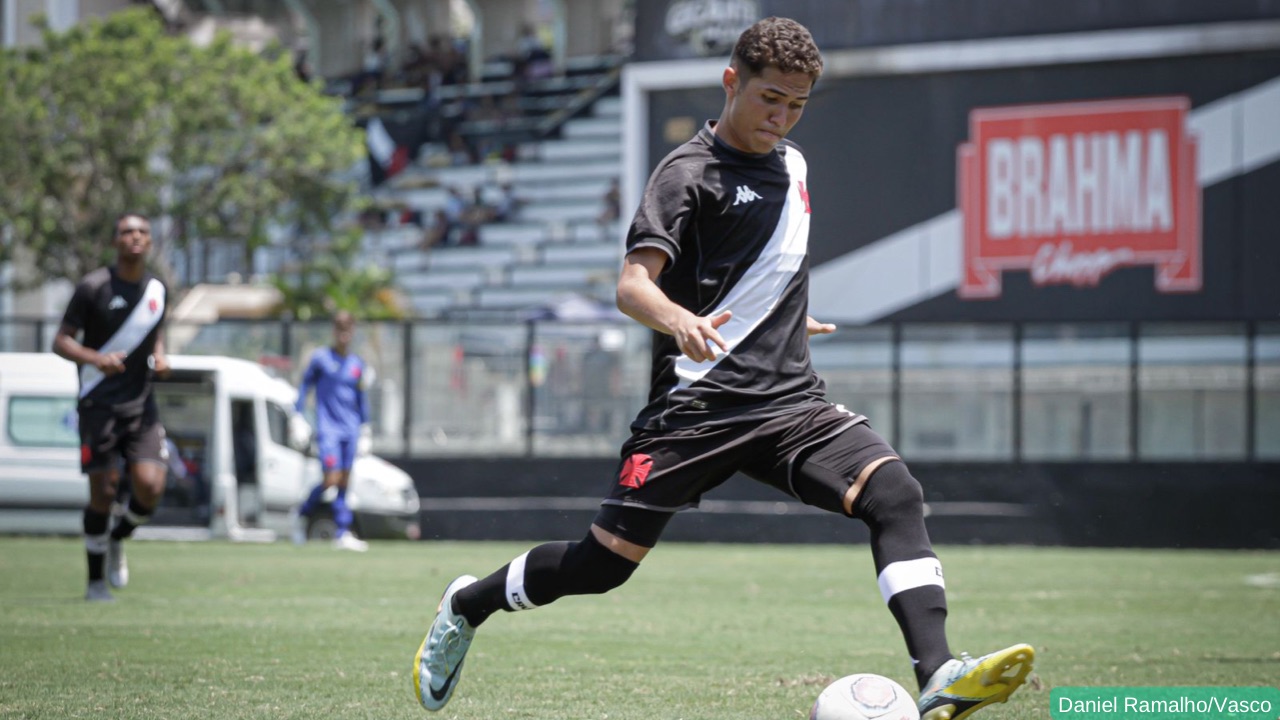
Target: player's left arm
159 357
362 391
813 327
364 444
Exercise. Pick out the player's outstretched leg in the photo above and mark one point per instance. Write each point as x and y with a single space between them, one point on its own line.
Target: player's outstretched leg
963 686
438 664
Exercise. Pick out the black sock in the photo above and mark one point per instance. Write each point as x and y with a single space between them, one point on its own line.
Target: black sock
543 575
908 571
95 542
134 516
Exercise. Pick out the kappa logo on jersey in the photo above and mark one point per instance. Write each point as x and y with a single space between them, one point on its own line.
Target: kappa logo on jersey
804 196
745 195
635 471
116 303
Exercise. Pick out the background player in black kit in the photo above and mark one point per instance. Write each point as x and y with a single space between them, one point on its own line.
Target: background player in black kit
717 265
120 310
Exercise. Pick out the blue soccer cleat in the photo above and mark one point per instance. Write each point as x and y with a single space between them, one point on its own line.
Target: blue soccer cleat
438 663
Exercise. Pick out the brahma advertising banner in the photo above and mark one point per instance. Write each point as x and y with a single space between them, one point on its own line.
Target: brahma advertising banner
1072 191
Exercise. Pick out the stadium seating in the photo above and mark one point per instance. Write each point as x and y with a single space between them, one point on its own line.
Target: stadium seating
553 247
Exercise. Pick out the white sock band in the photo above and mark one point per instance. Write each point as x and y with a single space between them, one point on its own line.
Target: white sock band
908 574
135 518
517 598
97 544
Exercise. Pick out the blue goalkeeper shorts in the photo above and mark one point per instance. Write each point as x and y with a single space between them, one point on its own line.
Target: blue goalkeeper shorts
337 452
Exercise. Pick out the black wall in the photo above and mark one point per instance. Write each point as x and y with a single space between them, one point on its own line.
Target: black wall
869 23
1185 505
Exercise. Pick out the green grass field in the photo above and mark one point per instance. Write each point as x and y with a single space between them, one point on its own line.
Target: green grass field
217 631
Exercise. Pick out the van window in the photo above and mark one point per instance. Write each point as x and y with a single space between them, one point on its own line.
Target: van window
278 424
43 421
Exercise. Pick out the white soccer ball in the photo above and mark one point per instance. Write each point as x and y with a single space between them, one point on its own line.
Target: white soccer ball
864 696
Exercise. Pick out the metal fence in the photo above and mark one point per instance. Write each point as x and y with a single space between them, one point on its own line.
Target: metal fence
1105 392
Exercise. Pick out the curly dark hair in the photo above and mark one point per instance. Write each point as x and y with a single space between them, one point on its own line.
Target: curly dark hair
777 42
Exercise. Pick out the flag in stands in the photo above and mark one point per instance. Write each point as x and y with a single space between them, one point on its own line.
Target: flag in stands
386 156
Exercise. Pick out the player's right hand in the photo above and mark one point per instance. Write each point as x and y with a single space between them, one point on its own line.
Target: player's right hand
299 432
111 363
699 336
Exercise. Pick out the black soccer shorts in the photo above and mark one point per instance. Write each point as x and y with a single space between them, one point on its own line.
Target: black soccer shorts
106 435
813 455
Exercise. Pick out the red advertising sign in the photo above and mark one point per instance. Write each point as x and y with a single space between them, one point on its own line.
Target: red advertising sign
1072 191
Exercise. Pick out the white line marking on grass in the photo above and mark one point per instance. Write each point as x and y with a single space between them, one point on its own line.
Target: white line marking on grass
1269 580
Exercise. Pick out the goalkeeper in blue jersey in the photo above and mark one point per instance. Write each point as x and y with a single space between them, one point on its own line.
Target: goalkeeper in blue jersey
340 379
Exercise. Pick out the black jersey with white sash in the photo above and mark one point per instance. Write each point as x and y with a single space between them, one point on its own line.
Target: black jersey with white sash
736 229
117 315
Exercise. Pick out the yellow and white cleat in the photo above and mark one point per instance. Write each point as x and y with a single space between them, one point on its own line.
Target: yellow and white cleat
965 685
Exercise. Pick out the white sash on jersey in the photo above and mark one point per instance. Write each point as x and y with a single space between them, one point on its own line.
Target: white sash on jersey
756 295
130 335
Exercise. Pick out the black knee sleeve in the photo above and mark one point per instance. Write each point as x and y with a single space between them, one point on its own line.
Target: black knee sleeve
907 570
554 570
892 505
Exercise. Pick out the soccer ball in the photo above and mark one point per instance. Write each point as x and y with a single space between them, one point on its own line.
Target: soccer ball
864 697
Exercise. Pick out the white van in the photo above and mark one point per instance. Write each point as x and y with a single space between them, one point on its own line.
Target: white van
232 472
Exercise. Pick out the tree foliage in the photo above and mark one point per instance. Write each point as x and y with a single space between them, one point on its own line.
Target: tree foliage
334 279
118 115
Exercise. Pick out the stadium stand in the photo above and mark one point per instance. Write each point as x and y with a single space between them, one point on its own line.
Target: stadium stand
552 243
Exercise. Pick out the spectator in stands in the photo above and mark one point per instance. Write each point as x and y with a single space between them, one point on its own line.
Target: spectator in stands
490 117
455 205
301 65
460 152
416 68
480 211
373 218
437 233
508 207
611 210
534 60
374 64
448 60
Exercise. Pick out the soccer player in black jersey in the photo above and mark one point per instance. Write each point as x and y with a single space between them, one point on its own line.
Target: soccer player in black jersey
717 266
118 312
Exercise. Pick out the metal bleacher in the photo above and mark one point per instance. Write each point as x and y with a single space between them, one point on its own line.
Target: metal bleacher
554 247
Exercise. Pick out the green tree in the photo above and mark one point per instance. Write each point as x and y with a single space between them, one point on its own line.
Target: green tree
118 115
333 279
